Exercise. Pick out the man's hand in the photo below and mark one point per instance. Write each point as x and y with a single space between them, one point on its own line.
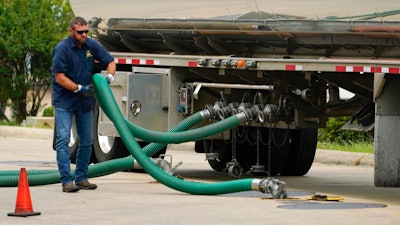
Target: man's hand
109 78
86 90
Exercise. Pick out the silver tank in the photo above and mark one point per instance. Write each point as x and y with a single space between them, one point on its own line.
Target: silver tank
260 28
378 10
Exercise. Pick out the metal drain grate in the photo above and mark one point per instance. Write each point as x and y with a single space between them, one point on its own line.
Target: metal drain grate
332 205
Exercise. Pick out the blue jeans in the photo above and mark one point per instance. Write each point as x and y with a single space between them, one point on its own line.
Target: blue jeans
84 125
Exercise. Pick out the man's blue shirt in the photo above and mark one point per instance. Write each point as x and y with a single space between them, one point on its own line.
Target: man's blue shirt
78 65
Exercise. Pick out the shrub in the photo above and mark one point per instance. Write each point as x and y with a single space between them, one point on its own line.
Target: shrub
48 112
334 134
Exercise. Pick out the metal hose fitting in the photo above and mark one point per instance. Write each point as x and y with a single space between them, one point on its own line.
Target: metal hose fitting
272 186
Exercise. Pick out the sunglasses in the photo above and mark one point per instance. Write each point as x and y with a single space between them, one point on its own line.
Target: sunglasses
82 31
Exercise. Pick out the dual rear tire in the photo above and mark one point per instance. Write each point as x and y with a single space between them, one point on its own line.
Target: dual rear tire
292 151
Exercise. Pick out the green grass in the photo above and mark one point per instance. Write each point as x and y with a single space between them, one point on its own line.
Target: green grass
10 123
363 147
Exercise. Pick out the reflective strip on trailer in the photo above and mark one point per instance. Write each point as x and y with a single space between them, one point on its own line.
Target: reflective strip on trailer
132 61
292 67
193 64
287 67
368 69
354 69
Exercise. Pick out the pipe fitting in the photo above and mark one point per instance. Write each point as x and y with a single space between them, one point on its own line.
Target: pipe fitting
227 111
269 114
272 186
256 110
233 107
245 115
307 95
205 114
243 106
235 171
160 162
213 109
242 116
223 113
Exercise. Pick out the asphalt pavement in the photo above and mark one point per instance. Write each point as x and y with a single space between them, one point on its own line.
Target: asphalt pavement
136 198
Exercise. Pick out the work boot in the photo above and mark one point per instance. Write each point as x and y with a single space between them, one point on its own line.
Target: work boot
86 185
70 187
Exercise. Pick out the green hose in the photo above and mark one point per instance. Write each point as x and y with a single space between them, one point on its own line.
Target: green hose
184 136
109 106
9 178
107 102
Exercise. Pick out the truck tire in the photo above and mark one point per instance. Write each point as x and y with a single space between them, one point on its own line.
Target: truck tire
247 152
224 151
73 142
302 151
106 147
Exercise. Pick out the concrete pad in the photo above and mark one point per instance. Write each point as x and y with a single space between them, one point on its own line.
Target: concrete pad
136 198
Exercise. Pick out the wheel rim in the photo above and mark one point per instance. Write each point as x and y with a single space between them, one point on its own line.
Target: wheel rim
73 135
105 143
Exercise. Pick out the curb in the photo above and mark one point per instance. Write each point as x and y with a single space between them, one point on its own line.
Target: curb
26 132
344 158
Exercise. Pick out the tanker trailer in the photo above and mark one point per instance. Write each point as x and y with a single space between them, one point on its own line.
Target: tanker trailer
282 62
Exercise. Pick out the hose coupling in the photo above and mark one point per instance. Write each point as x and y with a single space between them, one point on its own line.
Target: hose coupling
269 114
227 111
162 163
243 106
256 110
244 116
213 109
246 108
273 186
223 113
205 114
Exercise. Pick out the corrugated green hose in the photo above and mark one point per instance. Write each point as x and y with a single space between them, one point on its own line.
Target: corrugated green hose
9 178
107 102
184 136
109 106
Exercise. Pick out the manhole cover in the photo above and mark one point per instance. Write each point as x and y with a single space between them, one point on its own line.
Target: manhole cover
332 205
257 194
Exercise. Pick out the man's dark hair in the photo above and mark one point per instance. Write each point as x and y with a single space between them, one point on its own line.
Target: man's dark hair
77 20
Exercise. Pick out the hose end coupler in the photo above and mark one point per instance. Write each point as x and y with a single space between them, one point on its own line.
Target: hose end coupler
270 185
205 114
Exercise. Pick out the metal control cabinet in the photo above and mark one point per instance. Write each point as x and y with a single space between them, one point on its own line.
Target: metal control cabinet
150 92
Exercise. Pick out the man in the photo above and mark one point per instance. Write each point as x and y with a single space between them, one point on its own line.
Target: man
72 95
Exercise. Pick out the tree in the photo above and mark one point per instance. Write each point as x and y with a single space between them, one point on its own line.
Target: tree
29 30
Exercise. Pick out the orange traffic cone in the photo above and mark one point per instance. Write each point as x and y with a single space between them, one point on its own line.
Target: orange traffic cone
23 207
